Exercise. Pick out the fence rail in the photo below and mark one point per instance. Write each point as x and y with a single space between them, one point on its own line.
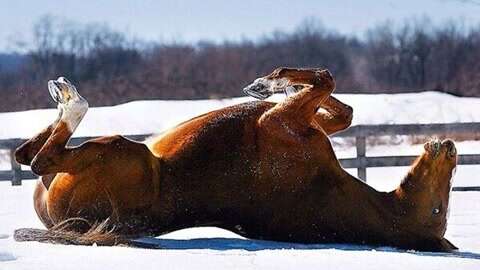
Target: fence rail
361 161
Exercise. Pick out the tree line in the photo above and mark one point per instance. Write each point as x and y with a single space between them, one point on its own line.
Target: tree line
109 67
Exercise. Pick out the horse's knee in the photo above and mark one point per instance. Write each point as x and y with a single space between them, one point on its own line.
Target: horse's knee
26 152
42 165
21 155
344 118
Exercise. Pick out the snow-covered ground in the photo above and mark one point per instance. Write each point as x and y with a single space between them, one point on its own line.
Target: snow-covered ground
189 249
228 251
146 117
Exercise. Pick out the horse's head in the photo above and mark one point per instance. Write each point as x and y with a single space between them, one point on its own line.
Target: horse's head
424 193
288 80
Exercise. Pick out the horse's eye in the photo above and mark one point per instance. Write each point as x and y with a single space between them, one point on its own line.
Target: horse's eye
437 209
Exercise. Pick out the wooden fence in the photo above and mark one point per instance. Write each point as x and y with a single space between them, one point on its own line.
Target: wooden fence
362 161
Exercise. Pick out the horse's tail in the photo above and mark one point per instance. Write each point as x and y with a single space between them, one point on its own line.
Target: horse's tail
100 233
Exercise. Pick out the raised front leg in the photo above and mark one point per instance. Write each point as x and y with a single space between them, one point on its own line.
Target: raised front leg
299 110
337 116
307 90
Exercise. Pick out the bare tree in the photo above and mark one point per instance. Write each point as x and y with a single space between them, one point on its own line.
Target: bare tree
112 67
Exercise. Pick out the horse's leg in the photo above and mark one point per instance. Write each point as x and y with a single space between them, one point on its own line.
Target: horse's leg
298 111
46 153
25 153
338 116
53 156
317 86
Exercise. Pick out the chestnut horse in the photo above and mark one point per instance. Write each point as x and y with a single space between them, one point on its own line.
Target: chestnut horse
260 169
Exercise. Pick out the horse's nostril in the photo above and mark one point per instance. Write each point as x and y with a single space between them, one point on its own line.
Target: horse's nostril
433 147
328 74
450 145
448 142
436 146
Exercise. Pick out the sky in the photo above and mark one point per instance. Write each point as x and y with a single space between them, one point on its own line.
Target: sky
217 20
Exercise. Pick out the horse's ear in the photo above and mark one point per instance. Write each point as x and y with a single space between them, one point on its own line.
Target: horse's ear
440 245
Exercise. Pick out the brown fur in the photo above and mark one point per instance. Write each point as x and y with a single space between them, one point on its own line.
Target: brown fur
263 170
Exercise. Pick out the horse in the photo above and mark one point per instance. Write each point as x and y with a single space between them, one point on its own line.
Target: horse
260 169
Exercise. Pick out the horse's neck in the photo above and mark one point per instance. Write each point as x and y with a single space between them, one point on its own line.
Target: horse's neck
373 208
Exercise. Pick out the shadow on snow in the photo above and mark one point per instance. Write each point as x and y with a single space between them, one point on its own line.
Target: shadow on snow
222 244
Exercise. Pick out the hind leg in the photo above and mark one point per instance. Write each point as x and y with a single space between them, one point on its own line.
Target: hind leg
109 178
53 155
34 150
25 153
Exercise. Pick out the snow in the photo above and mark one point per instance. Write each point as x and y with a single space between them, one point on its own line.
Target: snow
147 117
213 248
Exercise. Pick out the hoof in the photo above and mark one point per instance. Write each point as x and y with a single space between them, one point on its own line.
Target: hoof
63 91
71 105
263 88
450 146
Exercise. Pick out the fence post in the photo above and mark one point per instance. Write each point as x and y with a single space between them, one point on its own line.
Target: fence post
360 143
16 170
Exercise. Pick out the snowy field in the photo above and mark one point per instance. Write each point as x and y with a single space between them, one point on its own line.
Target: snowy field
211 248
188 249
146 117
